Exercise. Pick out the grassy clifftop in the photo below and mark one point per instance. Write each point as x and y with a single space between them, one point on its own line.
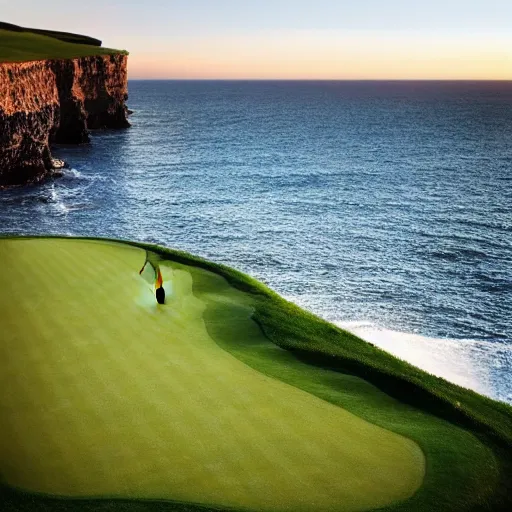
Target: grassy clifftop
18 44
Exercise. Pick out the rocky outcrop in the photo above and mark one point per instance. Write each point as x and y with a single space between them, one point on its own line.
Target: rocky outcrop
56 101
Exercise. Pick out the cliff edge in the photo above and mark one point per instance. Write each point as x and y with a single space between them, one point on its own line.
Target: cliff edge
56 101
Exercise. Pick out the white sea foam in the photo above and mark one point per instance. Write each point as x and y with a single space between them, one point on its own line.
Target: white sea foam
58 201
469 363
72 173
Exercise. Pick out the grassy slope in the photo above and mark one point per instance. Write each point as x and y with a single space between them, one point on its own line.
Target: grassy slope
462 473
107 393
452 453
457 478
63 36
26 46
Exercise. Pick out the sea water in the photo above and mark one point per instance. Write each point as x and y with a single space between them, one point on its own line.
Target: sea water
385 207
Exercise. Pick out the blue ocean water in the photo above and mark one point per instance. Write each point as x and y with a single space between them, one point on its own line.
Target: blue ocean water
383 206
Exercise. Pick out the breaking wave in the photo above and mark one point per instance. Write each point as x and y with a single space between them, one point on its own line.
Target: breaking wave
473 364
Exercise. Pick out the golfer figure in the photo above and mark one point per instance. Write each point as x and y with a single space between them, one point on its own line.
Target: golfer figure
159 289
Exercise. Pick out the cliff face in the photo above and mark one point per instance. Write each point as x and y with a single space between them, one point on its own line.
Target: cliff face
56 101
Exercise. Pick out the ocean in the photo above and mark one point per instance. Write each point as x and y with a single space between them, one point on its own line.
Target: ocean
384 207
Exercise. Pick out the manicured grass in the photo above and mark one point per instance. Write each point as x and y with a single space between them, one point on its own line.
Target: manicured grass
120 366
109 394
27 46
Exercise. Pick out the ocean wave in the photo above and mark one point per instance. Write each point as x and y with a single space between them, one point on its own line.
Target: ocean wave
472 364
72 173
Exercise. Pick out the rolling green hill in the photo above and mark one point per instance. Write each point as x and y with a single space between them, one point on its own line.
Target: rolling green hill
63 36
18 44
226 397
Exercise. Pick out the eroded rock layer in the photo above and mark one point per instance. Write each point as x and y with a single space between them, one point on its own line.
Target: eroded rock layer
56 101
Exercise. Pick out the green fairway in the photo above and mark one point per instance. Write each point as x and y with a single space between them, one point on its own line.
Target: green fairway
226 396
27 46
106 393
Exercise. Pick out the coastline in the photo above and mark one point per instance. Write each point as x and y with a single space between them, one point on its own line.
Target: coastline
56 102
465 362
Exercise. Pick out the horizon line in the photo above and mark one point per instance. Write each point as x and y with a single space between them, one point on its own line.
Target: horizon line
141 79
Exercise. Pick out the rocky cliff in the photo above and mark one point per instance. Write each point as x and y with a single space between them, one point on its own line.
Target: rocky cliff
56 101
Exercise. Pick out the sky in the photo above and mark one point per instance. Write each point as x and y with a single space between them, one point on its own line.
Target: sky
290 39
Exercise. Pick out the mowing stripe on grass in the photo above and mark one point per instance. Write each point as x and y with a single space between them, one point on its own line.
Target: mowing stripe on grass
105 393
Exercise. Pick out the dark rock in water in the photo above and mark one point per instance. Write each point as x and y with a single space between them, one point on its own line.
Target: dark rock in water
129 112
160 295
59 164
24 152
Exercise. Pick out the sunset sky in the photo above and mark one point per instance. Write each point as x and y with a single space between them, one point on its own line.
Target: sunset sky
291 39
